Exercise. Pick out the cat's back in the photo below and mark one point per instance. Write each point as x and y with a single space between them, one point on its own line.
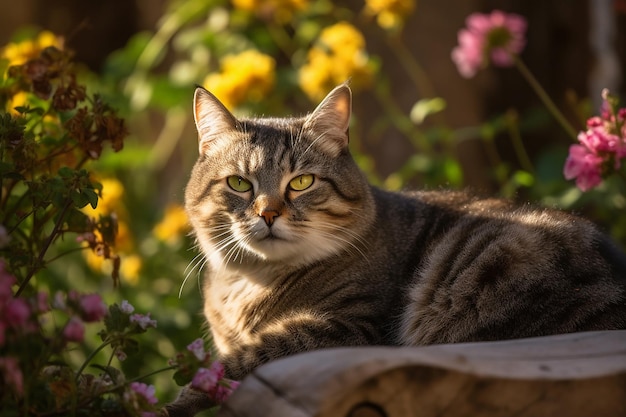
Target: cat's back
492 270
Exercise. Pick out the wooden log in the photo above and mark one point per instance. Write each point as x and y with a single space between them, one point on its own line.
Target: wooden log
573 375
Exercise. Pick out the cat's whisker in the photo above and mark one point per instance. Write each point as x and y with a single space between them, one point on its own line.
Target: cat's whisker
343 229
200 258
205 260
350 245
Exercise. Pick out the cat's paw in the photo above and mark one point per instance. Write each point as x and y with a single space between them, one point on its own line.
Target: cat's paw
189 403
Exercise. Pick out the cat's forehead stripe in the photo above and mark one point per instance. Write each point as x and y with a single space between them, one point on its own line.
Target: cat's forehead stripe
282 152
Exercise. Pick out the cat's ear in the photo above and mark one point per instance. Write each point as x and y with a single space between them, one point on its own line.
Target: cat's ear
331 119
212 118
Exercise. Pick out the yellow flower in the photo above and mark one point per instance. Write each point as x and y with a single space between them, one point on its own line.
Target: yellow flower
173 224
247 76
130 267
281 11
338 55
17 100
95 261
20 52
390 13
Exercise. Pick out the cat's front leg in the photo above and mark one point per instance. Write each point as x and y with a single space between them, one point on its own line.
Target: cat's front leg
188 403
295 334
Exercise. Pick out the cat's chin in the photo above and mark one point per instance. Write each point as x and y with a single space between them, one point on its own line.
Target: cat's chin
296 251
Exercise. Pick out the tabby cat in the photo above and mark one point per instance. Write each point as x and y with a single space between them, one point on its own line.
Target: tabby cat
302 253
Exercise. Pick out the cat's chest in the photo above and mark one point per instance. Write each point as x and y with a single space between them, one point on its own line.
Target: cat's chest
233 308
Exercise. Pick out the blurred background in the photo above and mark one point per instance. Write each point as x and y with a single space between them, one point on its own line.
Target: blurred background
417 121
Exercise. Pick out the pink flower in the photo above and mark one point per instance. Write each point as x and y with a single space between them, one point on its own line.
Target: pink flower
144 321
206 379
583 165
121 355
126 307
146 391
496 36
12 374
74 330
598 140
16 312
6 283
601 148
41 302
3 328
92 307
223 390
197 348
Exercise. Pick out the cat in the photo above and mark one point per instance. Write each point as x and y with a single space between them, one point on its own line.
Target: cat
302 253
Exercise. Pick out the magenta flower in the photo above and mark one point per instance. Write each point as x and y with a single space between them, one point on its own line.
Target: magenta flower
223 390
583 165
601 147
92 307
74 330
598 140
12 374
496 37
6 283
41 302
207 379
146 391
144 321
16 312
197 348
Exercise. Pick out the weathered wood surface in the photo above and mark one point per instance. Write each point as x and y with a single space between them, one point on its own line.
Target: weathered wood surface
573 375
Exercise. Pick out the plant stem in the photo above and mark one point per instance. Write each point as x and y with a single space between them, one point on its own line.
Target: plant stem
544 97
414 70
401 121
42 253
516 139
90 357
158 371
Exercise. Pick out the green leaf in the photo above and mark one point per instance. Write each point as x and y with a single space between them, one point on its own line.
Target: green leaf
182 378
66 172
523 178
77 221
116 320
6 167
131 346
116 375
453 172
165 95
425 107
91 197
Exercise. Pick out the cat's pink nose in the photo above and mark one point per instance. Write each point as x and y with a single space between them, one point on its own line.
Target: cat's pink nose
269 215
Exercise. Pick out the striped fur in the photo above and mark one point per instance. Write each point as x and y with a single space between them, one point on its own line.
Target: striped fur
347 264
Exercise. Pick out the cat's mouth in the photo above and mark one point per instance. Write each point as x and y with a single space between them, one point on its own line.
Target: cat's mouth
271 237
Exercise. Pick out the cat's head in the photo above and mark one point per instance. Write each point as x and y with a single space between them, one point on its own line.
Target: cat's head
277 190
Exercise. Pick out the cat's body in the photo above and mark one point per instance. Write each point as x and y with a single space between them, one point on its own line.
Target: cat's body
304 254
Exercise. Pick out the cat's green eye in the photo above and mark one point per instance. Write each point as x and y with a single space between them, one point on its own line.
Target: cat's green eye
239 184
301 182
